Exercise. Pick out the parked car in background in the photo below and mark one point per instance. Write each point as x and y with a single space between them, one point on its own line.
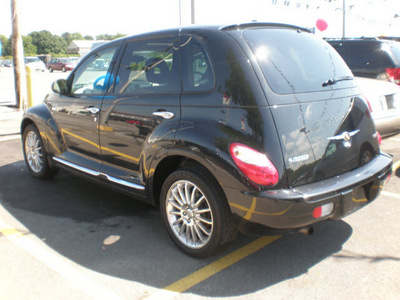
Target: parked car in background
100 64
255 127
370 57
384 103
35 63
61 64
6 63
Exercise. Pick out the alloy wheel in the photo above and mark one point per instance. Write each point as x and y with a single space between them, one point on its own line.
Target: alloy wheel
33 150
189 214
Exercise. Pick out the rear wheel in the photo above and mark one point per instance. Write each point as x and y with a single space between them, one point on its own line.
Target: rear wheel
35 154
195 212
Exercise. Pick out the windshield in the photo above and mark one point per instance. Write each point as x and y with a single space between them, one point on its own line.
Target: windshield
295 61
32 60
66 60
395 47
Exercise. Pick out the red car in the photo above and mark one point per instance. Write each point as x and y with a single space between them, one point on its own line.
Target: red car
61 64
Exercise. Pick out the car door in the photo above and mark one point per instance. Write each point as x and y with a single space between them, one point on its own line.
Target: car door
77 112
143 112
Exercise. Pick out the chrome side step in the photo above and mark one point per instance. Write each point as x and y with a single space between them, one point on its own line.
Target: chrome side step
98 173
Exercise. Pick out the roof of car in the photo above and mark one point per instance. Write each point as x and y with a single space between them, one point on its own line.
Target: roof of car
194 28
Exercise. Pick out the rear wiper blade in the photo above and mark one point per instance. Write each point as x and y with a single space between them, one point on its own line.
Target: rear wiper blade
336 80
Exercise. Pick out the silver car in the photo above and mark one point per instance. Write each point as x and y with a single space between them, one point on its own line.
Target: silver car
35 63
383 99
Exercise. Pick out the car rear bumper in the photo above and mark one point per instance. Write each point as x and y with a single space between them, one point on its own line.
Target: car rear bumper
277 211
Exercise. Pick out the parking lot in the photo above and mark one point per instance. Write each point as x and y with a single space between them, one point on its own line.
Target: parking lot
67 238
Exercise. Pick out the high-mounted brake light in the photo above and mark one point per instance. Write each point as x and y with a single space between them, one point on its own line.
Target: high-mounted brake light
255 165
393 74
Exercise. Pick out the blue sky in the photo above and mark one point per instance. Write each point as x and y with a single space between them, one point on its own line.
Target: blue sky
94 17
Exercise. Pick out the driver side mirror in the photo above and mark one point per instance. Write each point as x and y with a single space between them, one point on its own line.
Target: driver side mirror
60 87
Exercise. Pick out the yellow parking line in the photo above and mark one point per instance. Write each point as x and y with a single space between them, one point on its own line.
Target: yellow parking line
221 264
11 232
396 165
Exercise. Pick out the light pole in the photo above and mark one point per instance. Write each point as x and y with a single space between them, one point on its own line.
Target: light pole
344 19
193 21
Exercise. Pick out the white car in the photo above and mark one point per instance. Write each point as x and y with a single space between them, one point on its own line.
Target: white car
383 99
35 63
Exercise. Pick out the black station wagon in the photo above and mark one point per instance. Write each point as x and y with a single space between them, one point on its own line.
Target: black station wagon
255 127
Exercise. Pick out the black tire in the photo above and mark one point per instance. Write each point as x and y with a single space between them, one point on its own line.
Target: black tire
35 154
63 69
195 230
51 69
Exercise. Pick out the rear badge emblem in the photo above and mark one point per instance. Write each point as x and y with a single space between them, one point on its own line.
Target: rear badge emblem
297 159
345 137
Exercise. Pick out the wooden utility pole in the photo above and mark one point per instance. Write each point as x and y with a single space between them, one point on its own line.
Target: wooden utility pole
18 58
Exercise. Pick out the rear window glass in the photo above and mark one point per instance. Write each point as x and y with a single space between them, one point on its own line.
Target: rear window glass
369 55
396 51
296 62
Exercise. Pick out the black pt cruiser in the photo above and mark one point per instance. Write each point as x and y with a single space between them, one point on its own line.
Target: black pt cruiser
254 127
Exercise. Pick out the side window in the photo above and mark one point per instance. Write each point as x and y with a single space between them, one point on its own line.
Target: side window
93 75
148 67
196 67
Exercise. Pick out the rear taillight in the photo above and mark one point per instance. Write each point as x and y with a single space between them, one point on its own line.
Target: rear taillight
393 75
379 138
255 165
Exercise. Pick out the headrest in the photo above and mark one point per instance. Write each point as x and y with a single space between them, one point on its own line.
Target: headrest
157 71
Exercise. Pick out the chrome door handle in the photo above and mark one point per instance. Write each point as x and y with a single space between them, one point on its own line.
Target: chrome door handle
92 110
164 114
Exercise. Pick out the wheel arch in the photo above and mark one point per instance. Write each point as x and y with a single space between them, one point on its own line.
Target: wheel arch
41 117
171 162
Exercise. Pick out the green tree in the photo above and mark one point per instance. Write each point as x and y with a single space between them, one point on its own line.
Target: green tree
108 37
29 48
89 38
47 43
3 40
69 37
7 48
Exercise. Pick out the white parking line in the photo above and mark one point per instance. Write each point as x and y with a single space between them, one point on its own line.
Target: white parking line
36 248
389 194
11 137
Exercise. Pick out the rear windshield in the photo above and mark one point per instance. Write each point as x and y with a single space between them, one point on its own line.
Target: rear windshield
297 62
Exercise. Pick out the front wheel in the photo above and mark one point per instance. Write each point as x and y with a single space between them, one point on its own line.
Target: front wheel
195 212
35 154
